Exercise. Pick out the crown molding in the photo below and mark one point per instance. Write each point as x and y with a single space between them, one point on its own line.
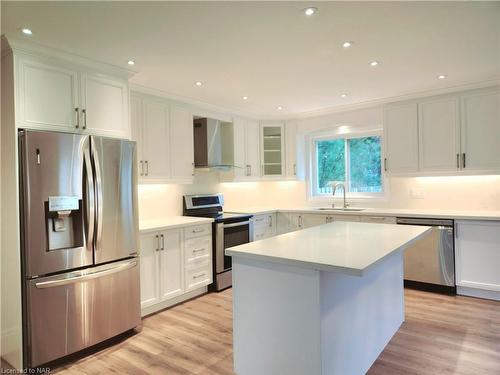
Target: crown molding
18 45
183 100
403 97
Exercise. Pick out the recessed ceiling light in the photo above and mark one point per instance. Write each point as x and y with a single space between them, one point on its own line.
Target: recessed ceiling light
279 108
26 31
374 63
441 76
198 83
131 62
310 11
344 95
347 44
245 98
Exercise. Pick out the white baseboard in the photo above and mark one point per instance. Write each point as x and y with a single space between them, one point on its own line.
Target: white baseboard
479 293
173 301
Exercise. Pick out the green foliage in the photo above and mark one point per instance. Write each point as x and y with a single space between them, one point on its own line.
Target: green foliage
364 158
331 161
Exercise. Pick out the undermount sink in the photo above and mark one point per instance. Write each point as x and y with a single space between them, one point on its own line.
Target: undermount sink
338 209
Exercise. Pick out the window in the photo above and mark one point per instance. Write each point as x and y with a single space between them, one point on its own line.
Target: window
355 160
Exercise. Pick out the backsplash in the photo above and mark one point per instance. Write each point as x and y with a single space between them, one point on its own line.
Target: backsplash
449 193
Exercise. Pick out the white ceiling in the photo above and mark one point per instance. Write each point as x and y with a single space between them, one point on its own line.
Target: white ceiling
272 52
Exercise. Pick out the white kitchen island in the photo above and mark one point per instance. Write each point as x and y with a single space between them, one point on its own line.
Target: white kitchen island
324 300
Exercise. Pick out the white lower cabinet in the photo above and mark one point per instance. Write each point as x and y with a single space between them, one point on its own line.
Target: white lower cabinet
173 263
265 226
477 258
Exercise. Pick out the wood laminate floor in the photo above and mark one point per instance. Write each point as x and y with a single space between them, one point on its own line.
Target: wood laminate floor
441 335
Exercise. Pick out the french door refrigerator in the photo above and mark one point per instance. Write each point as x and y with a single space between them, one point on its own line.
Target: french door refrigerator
79 242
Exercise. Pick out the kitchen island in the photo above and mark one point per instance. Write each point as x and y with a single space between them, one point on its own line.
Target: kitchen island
324 300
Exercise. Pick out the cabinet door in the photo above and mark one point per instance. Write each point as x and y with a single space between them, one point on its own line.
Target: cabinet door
252 135
477 254
283 222
291 149
48 96
239 139
150 280
439 135
171 263
136 130
181 144
481 131
312 220
156 140
272 148
106 105
271 227
401 138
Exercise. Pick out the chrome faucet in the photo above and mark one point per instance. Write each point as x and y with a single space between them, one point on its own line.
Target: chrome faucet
334 188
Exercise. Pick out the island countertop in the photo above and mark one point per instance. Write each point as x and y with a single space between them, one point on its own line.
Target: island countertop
345 247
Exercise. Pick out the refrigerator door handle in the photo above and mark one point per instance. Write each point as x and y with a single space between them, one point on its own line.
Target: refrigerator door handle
99 205
84 275
90 196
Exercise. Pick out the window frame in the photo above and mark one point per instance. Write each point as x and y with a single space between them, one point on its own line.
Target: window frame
313 193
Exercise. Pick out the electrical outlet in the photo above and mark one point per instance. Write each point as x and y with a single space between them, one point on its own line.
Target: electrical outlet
417 193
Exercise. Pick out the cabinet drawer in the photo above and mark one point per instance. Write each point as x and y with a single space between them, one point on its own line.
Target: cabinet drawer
198 249
261 220
378 219
198 231
197 277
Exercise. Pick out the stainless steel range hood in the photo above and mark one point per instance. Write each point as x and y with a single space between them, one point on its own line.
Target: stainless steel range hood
213 144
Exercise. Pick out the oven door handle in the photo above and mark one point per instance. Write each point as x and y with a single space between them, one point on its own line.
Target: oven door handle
239 224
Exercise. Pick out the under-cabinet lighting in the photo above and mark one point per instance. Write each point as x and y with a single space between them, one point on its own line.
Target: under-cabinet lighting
26 31
310 11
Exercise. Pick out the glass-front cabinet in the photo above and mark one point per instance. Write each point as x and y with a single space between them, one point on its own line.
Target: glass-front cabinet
272 149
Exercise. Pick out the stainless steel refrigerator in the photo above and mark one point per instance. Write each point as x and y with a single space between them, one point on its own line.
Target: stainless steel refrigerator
79 242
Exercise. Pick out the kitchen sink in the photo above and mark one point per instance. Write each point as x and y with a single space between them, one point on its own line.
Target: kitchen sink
339 209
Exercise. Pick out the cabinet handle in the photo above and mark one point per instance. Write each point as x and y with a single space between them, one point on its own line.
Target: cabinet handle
463 160
84 114
295 169
197 230
146 163
142 167
199 275
270 221
157 243
458 161
77 112
300 221
162 242
192 173
249 170
385 164
198 250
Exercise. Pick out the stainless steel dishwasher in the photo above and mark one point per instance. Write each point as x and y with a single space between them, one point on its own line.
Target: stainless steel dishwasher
429 263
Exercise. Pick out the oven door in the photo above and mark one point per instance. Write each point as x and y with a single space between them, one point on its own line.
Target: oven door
229 235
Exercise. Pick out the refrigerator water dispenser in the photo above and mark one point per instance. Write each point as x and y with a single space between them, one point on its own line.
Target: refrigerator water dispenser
64 216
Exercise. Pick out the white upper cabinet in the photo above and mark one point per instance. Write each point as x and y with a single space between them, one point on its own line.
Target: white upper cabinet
439 132
104 105
55 94
246 150
452 134
181 145
272 148
401 138
291 149
156 140
48 96
481 130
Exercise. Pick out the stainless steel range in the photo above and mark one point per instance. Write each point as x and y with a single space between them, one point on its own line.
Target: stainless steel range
228 230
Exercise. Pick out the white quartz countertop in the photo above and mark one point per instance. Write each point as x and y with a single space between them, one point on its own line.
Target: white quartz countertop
346 247
171 222
427 213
